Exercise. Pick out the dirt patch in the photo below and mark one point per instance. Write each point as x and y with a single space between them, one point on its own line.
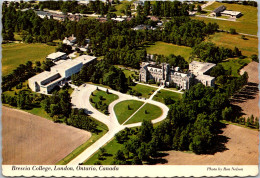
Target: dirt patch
242 149
247 100
28 139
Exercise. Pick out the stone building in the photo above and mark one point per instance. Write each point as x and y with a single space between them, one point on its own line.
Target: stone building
167 76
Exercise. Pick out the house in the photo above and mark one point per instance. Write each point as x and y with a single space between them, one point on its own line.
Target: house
144 27
101 19
57 56
118 19
217 12
154 18
59 74
43 14
70 40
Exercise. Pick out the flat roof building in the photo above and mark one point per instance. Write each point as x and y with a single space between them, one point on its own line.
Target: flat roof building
58 74
56 56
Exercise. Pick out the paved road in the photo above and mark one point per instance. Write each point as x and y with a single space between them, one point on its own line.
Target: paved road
80 99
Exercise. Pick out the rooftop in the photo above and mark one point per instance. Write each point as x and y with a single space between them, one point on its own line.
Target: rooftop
43 76
66 65
55 55
219 9
202 66
231 12
85 59
205 77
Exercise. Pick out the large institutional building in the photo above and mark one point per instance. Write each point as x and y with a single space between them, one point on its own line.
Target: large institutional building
59 74
198 72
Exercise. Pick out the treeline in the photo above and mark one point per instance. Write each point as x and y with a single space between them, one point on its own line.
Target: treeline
172 60
249 3
24 72
209 52
102 73
185 31
58 106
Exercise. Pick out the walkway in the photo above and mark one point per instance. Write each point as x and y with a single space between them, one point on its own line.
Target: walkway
80 99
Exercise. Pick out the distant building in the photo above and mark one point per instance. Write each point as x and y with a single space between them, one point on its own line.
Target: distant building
217 12
70 40
58 75
154 18
57 56
233 14
144 27
118 19
221 10
201 70
137 3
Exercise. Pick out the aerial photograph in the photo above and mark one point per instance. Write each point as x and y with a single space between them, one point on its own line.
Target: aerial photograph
118 82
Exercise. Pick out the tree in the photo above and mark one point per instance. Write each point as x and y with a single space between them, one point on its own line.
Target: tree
254 57
146 130
232 31
136 161
199 8
103 151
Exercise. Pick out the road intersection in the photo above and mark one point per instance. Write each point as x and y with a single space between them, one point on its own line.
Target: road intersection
80 99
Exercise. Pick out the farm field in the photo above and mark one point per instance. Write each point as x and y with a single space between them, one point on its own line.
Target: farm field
248 98
167 49
240 150
16 54
123 112
235 64
102 96
166 94
30 139
248 46
147 112
245 24
146 91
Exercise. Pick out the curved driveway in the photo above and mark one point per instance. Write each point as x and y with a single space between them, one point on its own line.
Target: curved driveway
80 99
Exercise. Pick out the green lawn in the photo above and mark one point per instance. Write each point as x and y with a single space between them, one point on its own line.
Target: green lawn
111 148
248 46
122 6
102 127
235 64
167 49
16 54
166 94
127 72
123 112
106 99
147 112
245 24
146 91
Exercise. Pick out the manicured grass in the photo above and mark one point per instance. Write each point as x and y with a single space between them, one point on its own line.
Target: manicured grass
102 127
111 149
127 72
16 54
245 24
106 99
146 91
166 94
235 64
123 112
122 6
248 46
147 112
167 49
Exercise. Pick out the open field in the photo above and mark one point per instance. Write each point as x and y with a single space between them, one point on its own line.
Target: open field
123 112
242 149
146 91
248 98
235 64
16 54
29 139
245 24
166 94
122 6
102 96
167 49
248 46
152 112
102 127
